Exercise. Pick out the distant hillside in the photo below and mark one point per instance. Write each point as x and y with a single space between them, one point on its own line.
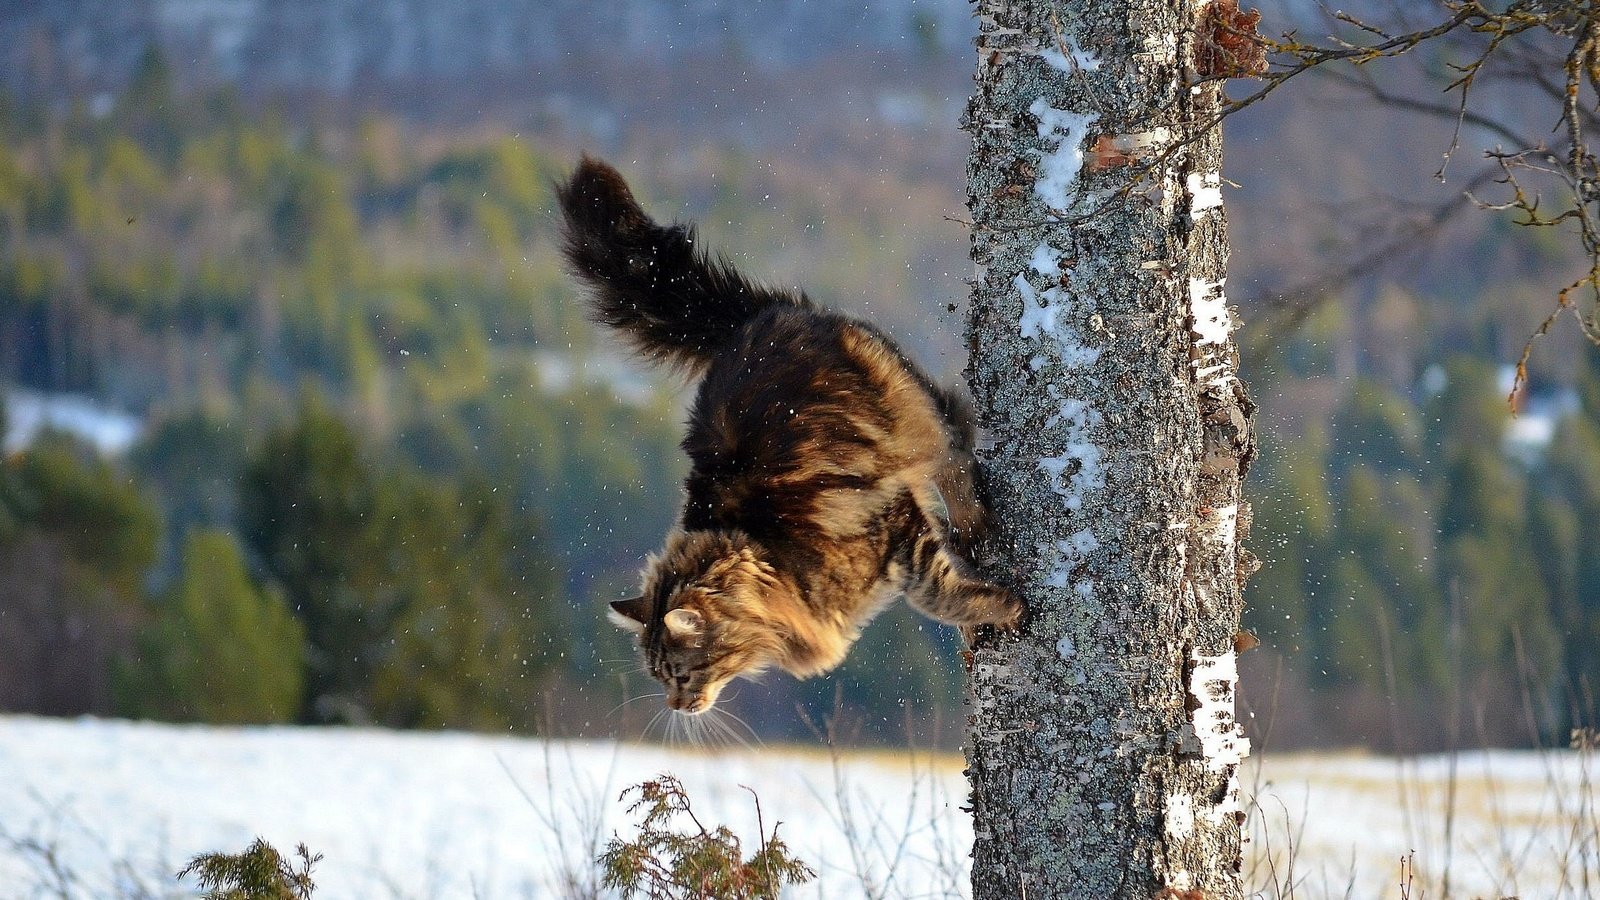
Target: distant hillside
337 44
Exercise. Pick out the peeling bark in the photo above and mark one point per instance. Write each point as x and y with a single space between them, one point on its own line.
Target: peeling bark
1102 747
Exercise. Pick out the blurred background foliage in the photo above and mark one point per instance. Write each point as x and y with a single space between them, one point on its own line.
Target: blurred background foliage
381 469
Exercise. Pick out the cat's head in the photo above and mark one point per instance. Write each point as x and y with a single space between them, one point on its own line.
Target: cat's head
704 617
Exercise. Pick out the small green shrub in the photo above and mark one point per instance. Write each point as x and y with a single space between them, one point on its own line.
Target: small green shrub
259 873
667 863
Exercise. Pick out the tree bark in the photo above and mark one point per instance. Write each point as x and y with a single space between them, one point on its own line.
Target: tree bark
1102 748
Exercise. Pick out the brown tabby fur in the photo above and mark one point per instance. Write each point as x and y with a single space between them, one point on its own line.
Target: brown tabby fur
830 475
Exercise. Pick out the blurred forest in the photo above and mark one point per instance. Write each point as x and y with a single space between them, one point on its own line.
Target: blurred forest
383 471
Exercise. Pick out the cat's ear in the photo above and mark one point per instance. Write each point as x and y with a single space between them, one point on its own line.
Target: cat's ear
685 624
631 613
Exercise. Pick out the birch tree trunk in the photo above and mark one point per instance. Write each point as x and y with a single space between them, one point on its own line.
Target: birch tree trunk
1102 748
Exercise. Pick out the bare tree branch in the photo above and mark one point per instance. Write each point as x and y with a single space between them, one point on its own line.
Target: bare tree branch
1525 42
1298 301
1362 80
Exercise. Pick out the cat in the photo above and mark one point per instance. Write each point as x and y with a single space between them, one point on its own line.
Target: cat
829 474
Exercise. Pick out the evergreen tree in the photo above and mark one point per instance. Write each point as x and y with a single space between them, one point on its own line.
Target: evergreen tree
1396 616
221 649
62 486
192 462
1374 427
1380 589
1487 564
1295 524
422 600
307 499
1568 498
75 541
459 653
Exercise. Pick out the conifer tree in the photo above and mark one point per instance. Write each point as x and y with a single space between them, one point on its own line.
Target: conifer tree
422 599
307 500
76 540
459 651
221 649
1567 501
1486 563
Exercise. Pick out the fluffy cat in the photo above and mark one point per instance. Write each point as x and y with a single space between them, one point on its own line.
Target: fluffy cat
829 474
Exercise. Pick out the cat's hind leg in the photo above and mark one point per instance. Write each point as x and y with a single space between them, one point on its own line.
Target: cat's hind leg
956 498
944 586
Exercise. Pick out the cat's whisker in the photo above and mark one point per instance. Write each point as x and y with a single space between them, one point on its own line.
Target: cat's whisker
652 723
717 731
735 737
633 699
712 729
730 737
708 727
729 714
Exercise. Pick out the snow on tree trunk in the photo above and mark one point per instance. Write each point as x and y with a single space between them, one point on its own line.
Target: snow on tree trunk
1102 748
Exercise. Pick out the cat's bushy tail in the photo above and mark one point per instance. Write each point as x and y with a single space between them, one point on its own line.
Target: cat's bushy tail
675 302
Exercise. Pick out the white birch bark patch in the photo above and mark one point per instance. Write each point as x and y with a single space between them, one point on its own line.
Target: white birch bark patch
1180 816
1222 526
1212 683
1205 194
1208 306
1211 323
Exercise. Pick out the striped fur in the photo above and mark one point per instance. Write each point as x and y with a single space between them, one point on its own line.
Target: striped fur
829 474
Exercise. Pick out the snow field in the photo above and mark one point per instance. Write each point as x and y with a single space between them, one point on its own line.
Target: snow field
444 815
437 815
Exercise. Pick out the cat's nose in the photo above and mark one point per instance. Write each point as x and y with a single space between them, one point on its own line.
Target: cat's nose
691 705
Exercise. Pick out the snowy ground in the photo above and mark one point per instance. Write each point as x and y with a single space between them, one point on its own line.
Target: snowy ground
122 805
